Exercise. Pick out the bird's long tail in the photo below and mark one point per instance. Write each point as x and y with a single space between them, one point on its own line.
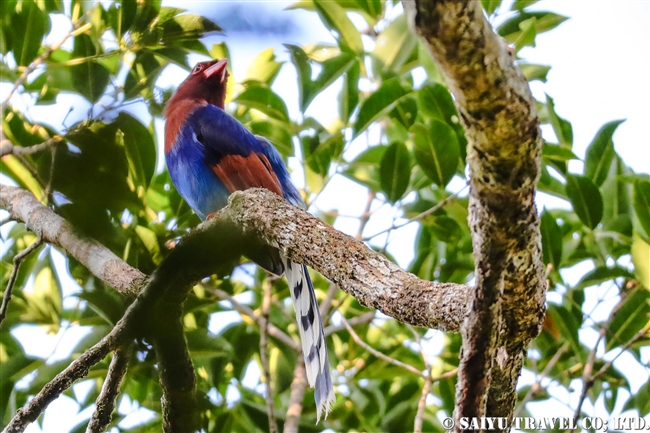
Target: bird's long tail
310 327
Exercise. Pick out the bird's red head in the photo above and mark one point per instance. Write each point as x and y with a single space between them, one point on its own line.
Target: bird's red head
207 82
205 85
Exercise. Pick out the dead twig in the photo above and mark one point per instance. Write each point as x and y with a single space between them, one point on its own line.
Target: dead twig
18 259
378 354
264 355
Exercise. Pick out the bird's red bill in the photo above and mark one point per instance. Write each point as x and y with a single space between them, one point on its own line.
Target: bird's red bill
217 68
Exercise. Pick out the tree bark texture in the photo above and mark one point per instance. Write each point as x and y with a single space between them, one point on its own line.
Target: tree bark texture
504 152
251 215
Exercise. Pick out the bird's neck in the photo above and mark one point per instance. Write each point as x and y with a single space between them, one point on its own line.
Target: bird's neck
175 113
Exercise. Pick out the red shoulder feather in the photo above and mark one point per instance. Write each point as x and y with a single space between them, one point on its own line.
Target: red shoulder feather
239 172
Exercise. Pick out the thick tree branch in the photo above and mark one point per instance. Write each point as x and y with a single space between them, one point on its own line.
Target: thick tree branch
502 128
24 207
251 215
371 278
175 369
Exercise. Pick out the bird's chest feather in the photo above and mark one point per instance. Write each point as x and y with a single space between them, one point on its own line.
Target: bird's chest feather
194 180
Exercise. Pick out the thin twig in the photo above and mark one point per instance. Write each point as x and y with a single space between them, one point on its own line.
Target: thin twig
587 378
422 404
272 330
378 354
264 355
642 333
359 320
365 216
76 29
418 217
298 388
18 259
105 403
325 306
537 385
7 148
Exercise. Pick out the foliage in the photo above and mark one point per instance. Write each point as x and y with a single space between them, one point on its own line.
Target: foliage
397 135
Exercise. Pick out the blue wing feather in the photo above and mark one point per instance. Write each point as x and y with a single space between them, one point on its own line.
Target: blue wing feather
208 135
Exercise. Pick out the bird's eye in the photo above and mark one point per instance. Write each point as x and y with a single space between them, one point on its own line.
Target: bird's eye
198 68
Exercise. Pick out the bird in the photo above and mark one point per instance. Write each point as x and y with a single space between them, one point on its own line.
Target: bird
209 155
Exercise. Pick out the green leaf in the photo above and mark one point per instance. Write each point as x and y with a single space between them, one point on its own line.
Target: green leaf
561 127
641 260
436 150
436 101
641 402
545 21
616 192
320 154
601 153
585 198
335 18
641 198
31 25
395 44
519 5
187 27
534 72
140 148
557 156
365 168
395 171
14 367
490 5
444 228
567 324
602 274
349 96
630 318
405 112
372 7
527 35
332 69
263 68
89 78
277 132
551 240
303 68
265 100
378 104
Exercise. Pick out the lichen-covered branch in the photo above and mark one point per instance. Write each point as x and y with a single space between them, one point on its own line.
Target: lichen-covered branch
371 278
175 369
504 151
105 403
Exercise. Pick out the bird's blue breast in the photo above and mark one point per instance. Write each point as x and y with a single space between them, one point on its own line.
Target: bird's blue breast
194 180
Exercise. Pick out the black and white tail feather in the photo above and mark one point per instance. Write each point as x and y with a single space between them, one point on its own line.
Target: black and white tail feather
312 337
